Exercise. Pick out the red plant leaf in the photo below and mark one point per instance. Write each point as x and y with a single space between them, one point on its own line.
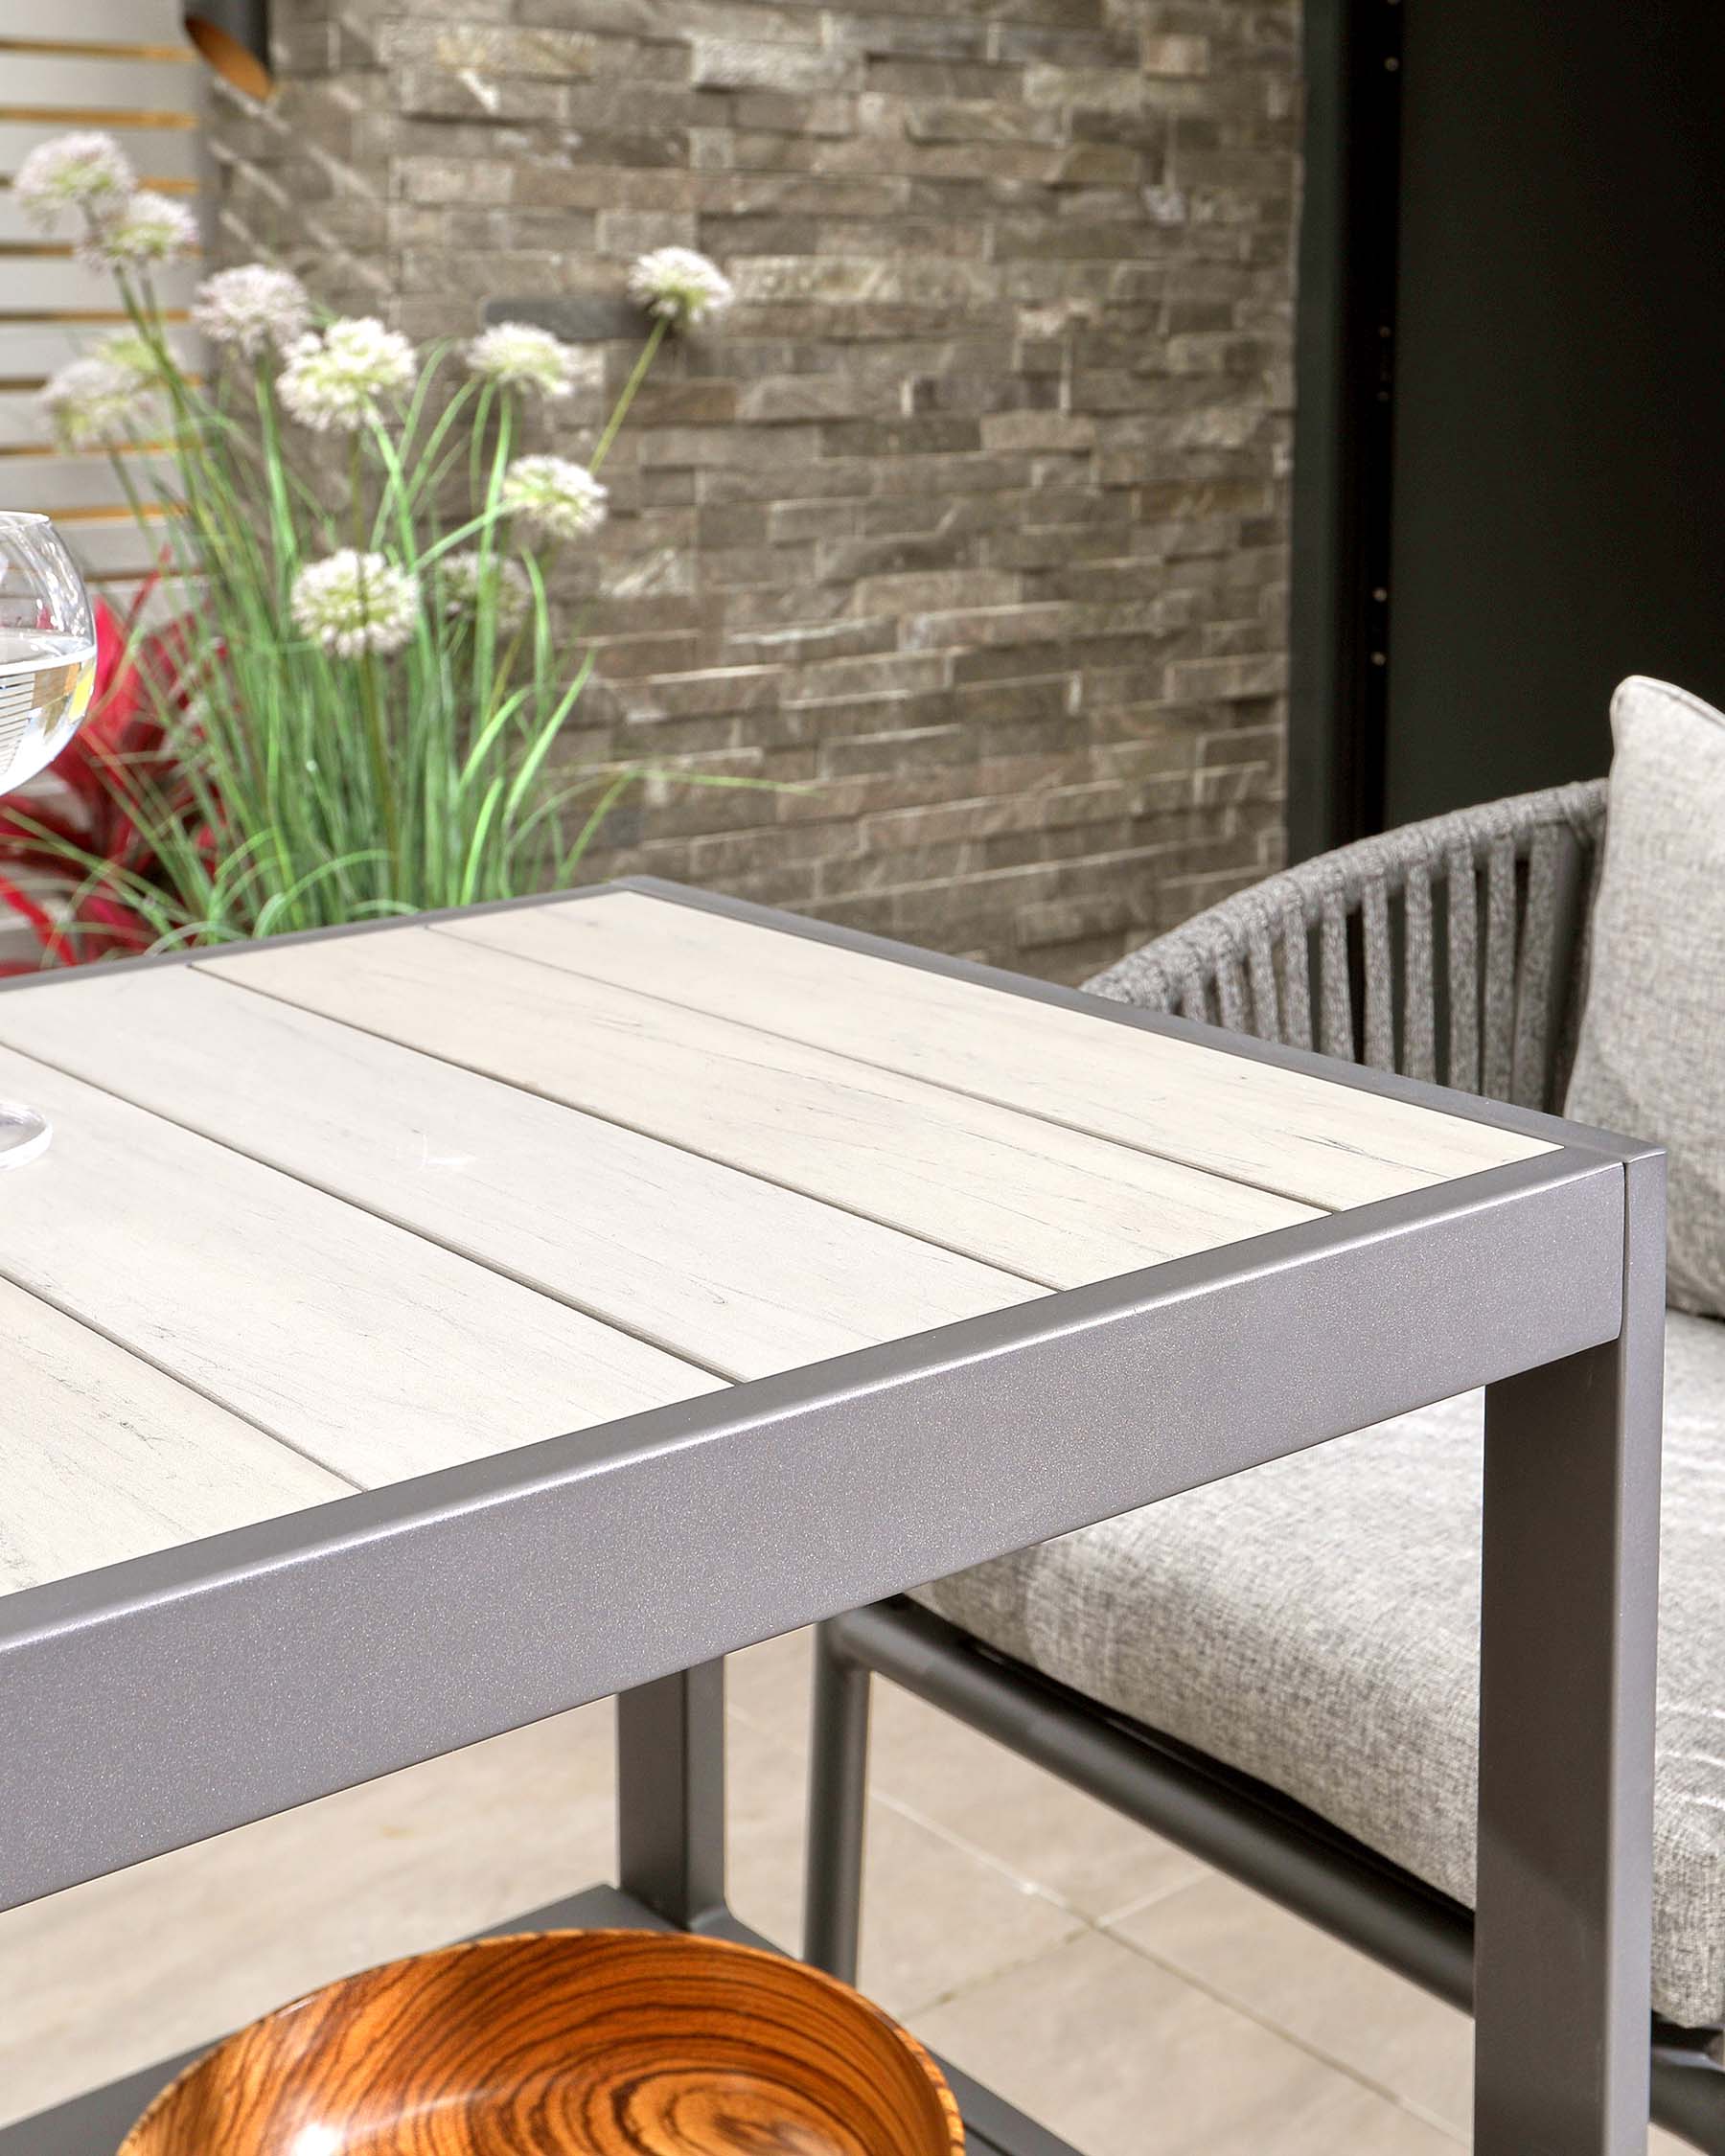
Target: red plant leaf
119 760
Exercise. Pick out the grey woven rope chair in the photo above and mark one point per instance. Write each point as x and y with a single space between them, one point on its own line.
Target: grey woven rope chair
1278 1672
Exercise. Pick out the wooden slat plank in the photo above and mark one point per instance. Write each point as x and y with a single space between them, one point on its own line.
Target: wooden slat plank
59 283
96 82
120 548
165 598
148 22
1051 1204
157 153
21 419
18 234
703 1260
103 1458
56 483
374 1353
30 352
24 436
1330 1145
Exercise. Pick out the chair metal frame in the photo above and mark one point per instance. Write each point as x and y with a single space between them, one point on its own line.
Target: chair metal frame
1452 949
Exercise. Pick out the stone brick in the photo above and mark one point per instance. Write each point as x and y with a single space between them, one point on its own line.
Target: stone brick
454 179
554 55
790 522
895 77
433 93
736 63
1095 89
980 119
948 35
702 446
1174 54
1227 679
816 397
759 194
677 19
1073 431
936 588
624 234
771 113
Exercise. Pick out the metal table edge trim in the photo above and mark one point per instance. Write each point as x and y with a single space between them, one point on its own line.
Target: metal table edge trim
339 1643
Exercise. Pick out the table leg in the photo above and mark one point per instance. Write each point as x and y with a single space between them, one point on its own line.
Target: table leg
837 1805
671 1794
1569 1626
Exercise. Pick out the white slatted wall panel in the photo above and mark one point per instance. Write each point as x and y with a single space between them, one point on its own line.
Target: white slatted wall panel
123 66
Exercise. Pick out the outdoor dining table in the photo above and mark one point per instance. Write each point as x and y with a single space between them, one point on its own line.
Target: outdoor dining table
419 1329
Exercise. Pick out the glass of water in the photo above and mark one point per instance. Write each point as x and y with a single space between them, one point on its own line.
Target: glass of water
47 671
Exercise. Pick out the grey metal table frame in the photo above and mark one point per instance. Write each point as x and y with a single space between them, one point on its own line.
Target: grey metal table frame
173 1696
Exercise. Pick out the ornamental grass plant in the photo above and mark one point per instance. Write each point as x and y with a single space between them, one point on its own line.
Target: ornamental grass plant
368 686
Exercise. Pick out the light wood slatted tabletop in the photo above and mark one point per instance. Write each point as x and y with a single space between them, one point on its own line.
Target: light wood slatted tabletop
323 1215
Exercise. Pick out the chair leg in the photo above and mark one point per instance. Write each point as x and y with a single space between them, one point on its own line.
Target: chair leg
837 1799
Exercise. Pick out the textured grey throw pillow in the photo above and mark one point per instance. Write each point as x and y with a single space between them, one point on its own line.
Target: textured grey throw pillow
1652 1056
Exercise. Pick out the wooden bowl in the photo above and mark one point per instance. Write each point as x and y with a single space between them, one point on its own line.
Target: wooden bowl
565 2044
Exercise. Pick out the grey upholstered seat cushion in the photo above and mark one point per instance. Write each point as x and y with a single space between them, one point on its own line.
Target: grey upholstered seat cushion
1313 1623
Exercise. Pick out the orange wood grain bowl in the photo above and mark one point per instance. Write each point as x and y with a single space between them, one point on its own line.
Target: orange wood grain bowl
565 2044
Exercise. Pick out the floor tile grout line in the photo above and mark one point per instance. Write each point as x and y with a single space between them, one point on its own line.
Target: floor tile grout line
1030 1889
1275 2027
1014 1966
1157 1895
1029 1963
907 1808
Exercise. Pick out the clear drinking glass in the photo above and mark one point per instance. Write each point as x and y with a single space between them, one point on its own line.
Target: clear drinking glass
47 671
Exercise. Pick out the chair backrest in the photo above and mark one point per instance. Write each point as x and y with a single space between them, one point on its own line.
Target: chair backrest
1452 949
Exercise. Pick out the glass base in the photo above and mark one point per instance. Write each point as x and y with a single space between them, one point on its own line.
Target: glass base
23 1134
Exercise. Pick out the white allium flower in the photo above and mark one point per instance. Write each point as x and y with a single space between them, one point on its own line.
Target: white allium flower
146 233
557 498
333 382
516 355
352 604
100 402
681 286
82 171
503 582
252 309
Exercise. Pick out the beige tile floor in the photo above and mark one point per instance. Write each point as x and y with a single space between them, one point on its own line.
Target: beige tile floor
1138 2004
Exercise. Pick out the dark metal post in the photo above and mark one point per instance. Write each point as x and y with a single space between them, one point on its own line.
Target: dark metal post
1339 607
838 1803
1569 1625
671 1794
